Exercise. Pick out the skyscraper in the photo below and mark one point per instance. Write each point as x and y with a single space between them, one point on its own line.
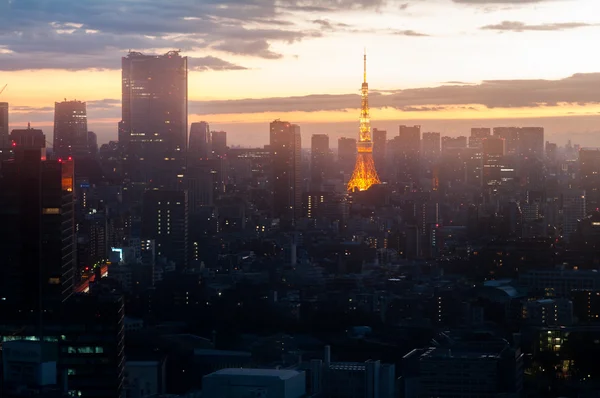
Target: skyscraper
200 140
4 125
165 219
406 152
153 129
365 174
379 149
320 159
430 145
285 145
29 139
573 207
36 199
92 143
219 143
154 101
346 154
478 134
493 155
531 142
589 176
510 136
453 143
70 129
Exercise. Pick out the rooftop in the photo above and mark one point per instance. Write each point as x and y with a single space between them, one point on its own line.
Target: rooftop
281 374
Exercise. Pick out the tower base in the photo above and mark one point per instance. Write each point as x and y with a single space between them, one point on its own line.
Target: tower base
365 174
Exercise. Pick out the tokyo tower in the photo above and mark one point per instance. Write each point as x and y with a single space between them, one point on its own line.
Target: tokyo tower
364 174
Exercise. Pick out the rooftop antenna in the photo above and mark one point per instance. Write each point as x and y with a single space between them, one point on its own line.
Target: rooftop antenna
3 88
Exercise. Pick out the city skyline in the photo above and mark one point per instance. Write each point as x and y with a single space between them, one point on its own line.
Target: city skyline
241 63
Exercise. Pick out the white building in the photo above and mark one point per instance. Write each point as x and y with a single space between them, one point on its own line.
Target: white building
254 383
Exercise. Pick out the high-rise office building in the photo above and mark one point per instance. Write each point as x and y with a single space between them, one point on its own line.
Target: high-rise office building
91 344
406 153
200 140
511 138
453 143
589 175
154 100
411 137
4 142
219 143
573 207
285 145
346 154
531 142
200 183
165 219
320 161
92 143
478 134
29 139
36 199
70 129
153 129
493 157
379 150
430 145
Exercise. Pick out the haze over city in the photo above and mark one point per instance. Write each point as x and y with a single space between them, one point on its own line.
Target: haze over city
445 64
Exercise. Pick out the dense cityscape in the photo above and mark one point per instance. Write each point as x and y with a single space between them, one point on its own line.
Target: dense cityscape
405 263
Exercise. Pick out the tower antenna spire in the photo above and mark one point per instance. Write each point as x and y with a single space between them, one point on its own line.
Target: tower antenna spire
365 66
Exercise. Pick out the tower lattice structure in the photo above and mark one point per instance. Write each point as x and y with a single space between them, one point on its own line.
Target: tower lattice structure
364 174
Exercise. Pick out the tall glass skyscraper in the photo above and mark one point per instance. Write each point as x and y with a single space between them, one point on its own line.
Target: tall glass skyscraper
153 129
154 94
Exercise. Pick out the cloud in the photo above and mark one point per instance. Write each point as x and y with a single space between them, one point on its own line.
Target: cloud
514 26
409 32
30 29
211 63
259 48
42 109
326 24
491 2
578 89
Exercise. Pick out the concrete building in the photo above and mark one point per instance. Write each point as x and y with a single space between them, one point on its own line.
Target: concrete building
430 145
574 210
219 143
165 220
29 369
531 142
320 160
144 378
70 129
200 145
379 150
4 142
256 383
559 282
484 369
478 135
589 175
285 145
549 312
370 379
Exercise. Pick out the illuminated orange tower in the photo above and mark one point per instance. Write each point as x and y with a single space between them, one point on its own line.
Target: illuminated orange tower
364 174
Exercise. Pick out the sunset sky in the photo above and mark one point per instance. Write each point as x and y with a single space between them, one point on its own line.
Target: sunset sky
445 64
